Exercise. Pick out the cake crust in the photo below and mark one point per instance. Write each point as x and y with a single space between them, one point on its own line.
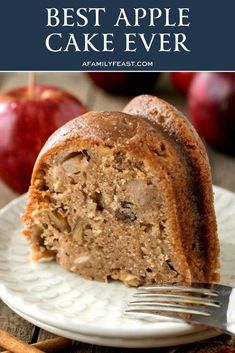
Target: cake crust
177 125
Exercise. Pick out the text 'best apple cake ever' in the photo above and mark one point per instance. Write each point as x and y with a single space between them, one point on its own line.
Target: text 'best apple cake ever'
125 196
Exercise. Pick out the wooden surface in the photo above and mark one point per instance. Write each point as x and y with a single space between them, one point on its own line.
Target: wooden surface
223 171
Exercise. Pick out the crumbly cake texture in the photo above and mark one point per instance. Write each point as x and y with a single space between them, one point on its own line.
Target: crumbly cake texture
125 196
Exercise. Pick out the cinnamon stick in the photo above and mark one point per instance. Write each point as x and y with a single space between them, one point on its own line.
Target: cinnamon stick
54 345
15 345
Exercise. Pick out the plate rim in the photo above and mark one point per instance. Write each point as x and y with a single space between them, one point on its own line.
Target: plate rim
158 342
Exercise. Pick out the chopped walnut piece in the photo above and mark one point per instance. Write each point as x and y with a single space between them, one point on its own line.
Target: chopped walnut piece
78 232
129 279
59 221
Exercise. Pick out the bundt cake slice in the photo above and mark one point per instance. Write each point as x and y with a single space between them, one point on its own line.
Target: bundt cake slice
118 196
197 200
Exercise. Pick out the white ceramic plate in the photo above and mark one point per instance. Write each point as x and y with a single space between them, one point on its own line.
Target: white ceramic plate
58 298
123 342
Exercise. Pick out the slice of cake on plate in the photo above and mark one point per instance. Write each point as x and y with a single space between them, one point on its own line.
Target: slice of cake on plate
125 196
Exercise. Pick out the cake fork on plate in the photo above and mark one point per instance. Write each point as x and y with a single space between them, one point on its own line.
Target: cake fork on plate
212 305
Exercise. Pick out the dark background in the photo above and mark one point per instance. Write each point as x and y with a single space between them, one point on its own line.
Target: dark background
210 36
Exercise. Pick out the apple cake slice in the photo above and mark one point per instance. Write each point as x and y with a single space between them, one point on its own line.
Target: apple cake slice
120 196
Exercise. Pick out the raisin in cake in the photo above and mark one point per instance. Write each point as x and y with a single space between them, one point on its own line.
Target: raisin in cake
125 196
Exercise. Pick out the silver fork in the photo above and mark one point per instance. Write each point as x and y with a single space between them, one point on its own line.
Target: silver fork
212 305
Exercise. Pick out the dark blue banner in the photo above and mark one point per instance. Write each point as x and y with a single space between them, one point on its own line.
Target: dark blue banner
131 35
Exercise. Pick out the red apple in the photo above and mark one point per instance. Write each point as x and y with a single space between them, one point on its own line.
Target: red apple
212 108
128 83
182 80
26 123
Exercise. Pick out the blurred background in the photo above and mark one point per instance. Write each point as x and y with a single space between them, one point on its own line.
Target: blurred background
30 110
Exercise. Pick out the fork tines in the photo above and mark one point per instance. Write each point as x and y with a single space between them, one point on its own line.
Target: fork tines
192 289
166 299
